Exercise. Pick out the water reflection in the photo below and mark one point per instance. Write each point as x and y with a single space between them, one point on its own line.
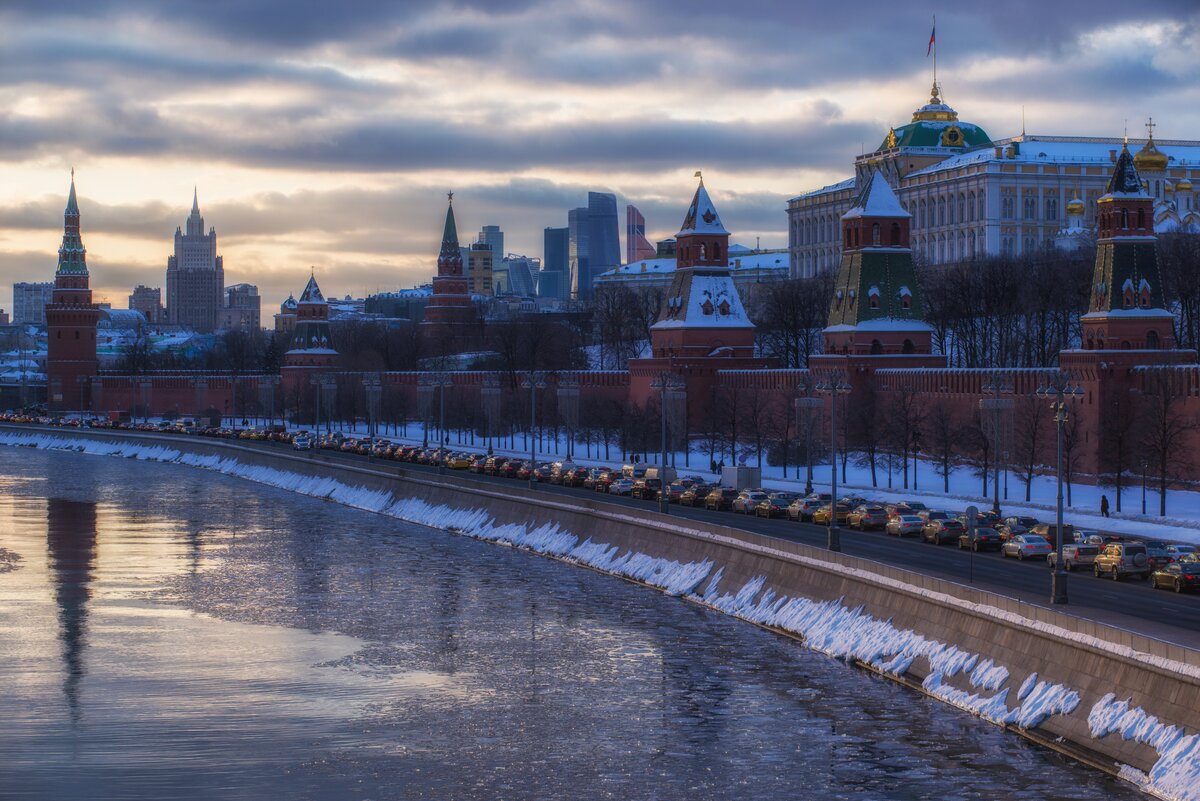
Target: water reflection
71 543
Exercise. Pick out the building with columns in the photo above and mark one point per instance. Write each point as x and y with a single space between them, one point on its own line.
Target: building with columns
971 196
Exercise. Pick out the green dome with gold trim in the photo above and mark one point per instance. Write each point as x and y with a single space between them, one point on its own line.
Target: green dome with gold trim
936 124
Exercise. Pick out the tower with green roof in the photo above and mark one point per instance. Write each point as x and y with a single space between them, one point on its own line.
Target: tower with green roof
71 320
876 306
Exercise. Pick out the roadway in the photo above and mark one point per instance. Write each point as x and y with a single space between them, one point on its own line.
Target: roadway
1129 603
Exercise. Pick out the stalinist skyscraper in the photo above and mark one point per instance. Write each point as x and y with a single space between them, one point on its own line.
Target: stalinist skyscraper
195 276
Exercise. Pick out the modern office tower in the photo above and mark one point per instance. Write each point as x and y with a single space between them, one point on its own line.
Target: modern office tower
577 253
242 309
493 237
195 276
29 302
148 301
637 247
595 245
521 272
554 279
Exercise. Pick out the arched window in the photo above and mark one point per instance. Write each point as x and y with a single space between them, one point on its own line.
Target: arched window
962 207
971 243
971 207
1125 218
909 347
1142 216
1152 340
875 241
896 234
717 251
876 347
921 208
979 200
941 220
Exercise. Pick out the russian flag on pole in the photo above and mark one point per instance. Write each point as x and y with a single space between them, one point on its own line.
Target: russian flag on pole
932 40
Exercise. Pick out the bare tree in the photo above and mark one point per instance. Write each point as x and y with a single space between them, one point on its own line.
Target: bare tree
941 435
1118 439
1029 430
1165 424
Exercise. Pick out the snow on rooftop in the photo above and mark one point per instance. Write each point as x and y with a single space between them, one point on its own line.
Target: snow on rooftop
711 301
876 200
740 258
1056 149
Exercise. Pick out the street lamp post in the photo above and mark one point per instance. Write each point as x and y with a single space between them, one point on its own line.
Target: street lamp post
373 387
568 408
424 399
441 381
490 391
1059 390
996 406
533 382
806 407
834 385
1143 486
669 387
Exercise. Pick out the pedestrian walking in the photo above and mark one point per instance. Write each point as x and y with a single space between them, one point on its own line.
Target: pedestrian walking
1104 505
712 465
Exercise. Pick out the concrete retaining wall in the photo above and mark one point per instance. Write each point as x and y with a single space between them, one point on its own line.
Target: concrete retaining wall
1093 659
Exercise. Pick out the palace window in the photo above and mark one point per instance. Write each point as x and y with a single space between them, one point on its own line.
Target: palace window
1052 208
1029 204
1008 205
875 240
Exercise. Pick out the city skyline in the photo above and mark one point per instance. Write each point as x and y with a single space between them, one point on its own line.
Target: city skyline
329 142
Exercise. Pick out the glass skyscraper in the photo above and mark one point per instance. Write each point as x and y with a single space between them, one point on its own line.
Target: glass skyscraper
553 281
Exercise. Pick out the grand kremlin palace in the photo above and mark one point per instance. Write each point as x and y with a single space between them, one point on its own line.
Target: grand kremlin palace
971 196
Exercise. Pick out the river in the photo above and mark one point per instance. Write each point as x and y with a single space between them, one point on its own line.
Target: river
171 633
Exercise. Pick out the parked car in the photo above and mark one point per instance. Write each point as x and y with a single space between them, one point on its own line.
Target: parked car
747 500
1156 554
1176 551
916 506
1049 532
1178 576
940 532
302 444
1012 526
622 486
1117 559
675 490
905 525
867 517
606 480
986 539
821 515
929 515
1026 546
695 494
646 488
775 504
720 498
802 509
1075 554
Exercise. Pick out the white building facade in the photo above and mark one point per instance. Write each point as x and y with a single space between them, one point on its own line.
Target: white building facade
970 196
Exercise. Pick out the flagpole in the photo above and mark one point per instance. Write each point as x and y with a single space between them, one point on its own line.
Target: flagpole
935 53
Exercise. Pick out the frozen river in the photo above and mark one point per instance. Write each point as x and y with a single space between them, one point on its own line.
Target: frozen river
171 633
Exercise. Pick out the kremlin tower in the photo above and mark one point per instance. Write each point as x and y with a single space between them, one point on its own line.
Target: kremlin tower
450 314
703 327
311 350
71 319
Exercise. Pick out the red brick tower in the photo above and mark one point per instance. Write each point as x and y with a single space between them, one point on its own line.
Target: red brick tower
311 350
703 327
71 320
450 314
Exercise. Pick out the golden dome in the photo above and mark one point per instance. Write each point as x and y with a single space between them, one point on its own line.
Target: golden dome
1075 207
1184 185
936 109
1150 158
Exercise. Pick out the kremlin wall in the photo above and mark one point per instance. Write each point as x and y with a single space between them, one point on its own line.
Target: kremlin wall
876 338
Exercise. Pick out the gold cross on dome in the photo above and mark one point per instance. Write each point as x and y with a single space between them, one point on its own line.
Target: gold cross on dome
1150 126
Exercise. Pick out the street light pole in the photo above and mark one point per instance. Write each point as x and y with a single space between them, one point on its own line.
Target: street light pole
833 386
806 405
669 386
1060 390
996 406
533 382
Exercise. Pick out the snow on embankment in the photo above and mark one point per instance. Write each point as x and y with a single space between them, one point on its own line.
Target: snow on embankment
830 627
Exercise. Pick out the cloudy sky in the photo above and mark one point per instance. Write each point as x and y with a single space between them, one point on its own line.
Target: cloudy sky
326 134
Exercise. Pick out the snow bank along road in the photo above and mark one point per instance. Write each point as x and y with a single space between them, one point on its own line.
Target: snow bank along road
1118 700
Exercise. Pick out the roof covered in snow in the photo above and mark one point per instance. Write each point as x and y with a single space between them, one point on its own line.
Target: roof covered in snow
312 292
702 217
876 200
741 258
1063 150
703 298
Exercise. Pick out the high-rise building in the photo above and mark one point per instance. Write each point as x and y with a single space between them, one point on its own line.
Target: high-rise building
195 276
493 237
595 245
148 301
554 279
521 274
29 302
242 309
637 247
577 253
